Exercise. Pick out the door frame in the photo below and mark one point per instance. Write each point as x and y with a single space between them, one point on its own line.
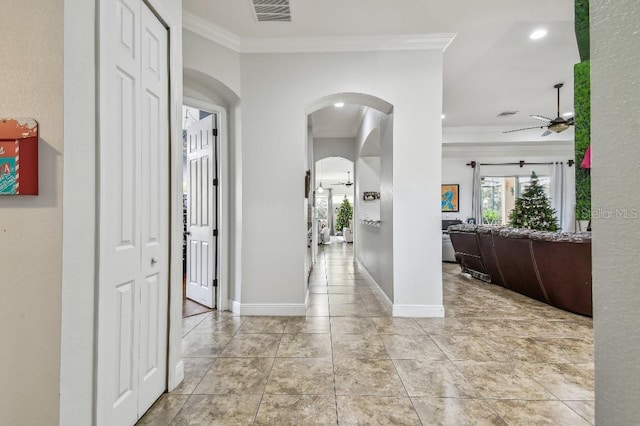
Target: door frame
222 301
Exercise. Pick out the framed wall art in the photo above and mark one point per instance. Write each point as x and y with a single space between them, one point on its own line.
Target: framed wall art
450 197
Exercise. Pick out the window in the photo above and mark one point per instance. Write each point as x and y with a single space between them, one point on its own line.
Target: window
499 195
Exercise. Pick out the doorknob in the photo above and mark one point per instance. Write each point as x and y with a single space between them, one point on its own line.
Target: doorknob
187 233
154 260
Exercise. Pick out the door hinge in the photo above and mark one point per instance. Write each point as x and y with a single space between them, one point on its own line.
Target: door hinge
215 232
215 182
215 132
215 283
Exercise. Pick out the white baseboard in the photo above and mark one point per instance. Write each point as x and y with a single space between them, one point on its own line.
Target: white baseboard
419 311
178 375
376 287
268 309
234 307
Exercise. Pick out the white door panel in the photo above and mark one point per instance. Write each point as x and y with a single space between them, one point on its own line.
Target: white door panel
201 242
133 199
152 372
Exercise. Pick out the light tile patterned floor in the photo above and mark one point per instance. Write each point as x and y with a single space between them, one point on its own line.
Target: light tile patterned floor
497 358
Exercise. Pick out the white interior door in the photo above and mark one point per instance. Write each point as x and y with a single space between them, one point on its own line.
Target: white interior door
134 208
202 210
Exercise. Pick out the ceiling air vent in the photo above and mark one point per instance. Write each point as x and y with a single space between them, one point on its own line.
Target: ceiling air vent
272 10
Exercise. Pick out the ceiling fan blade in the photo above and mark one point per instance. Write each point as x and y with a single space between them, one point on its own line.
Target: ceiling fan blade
339 183
541 118
546 133
570 121
526 128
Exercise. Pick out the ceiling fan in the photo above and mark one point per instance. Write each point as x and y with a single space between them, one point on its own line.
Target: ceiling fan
557 125
347 183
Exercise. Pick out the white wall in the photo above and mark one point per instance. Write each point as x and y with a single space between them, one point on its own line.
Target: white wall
375 245
31 226
615 108
276 90
334 147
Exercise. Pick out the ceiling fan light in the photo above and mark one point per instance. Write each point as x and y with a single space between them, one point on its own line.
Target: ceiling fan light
567 114
559 127
320 189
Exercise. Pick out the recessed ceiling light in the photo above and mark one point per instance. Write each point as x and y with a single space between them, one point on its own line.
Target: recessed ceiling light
538 34
338 104
442 116
567 114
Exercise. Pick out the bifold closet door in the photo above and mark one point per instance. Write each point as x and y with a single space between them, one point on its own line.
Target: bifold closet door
134 211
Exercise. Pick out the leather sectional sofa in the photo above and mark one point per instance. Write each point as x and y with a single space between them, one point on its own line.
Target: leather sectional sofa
552 267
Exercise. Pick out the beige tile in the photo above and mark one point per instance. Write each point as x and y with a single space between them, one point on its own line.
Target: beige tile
524 349
305 346
528 413
163 411
318 310
252 345
463 348
397 326
349 310
194 371
576 351
376 377
215 325
455 412
236 376
297 410
263 325
308 325
564 381
300 376
423 377
317 299
586 409
189 323
199 345
344 298
412 347
223 410
501 380
358 346
341 289
350 325
369 410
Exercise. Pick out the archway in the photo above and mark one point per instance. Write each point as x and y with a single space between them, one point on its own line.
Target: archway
365 137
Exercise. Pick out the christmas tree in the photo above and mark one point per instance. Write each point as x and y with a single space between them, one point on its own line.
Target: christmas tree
345 213
533 210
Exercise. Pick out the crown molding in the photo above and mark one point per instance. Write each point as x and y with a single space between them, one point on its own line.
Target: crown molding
219 35
346 43
210 31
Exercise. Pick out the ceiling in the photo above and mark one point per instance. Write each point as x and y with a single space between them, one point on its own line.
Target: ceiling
332 171
490 67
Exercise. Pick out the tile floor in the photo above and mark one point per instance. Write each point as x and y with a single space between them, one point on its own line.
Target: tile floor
497 358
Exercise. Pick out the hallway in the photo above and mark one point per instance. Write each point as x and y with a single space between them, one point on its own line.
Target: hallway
497 358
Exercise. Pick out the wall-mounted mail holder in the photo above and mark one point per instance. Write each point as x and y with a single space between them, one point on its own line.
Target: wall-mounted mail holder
18 156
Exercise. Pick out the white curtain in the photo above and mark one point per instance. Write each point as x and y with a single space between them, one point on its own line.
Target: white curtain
476 201
562 194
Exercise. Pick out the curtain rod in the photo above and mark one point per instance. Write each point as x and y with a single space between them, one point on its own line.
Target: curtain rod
520 163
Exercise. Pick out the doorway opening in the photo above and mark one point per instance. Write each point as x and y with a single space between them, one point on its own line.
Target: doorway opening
334 200
200 207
